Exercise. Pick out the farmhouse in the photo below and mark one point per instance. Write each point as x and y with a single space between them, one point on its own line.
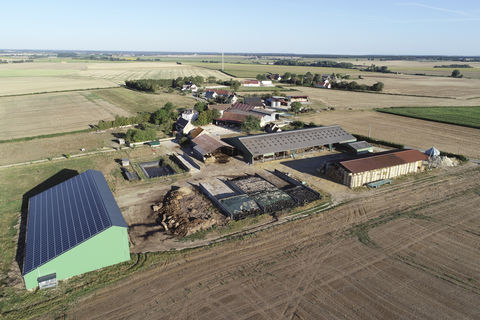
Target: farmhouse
190 115
251 83
190 87
73 228
220 107
184 126
208 148
358 172
288 144
238 113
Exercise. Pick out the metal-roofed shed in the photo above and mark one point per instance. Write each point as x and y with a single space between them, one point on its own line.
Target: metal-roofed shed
73 228
289 143
358 172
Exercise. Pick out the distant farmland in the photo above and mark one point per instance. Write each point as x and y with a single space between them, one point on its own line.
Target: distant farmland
462 116
38 77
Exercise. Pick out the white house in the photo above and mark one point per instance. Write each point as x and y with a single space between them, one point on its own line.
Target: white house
189 115
266 83
251 83
190 87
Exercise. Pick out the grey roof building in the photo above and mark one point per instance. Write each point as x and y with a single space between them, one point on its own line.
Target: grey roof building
285 144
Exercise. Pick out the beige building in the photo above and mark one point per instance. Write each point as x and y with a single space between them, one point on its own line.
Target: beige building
358 172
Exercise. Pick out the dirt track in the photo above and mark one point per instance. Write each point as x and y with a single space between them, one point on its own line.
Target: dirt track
423 264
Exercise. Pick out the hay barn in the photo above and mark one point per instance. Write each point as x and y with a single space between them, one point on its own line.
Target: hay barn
73 228
288 144
207 148
358 172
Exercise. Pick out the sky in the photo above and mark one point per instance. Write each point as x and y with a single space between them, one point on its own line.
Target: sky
301 26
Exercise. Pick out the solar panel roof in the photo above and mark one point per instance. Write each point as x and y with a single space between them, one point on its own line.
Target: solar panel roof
295 139
68 214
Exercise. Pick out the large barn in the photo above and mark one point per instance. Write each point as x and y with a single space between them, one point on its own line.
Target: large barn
358 172
73 228
288 144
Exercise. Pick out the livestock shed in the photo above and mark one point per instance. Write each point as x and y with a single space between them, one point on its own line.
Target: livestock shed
73 228
288 144
208 148
358 172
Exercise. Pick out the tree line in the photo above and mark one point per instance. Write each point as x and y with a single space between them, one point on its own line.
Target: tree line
153 85
323 63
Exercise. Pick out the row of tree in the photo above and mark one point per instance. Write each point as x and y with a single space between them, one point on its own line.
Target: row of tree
153 85
354 86
323 63
374 68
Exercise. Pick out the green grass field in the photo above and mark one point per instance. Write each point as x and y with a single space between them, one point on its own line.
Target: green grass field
462 116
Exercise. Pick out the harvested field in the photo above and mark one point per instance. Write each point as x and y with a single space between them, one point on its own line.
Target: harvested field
411 132
32 115
343 100
134 101
37 77
406 251
462 88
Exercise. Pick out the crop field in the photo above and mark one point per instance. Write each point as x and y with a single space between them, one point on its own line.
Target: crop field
408 251
345 100
251 70
37 77
411 132
33 115
463 116
135 101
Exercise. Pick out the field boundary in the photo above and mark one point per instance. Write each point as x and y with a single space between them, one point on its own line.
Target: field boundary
56 91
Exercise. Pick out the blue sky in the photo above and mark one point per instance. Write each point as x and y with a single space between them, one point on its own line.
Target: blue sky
302 26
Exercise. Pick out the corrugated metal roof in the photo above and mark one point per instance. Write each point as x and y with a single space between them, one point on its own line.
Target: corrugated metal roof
383 161
358 145
68 214
206 144
295 139
242 106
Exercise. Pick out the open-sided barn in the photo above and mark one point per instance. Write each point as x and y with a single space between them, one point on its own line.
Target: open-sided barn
286 144
207 147
358 172
73 228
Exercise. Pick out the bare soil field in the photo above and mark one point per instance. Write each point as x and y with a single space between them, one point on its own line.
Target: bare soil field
411 132
32 115
462 88
404 251
344 100
427 67
37 77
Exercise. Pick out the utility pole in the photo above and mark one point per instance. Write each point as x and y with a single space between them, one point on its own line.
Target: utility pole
222 61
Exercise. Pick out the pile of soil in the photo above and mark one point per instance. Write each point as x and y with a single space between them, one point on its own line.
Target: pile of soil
184 211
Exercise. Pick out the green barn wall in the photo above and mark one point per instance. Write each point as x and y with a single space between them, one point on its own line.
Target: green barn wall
106 248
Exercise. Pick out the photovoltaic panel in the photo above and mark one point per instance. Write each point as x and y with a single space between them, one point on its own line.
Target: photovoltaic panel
68 214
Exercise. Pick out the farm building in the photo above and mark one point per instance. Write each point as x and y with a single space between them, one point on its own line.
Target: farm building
360 147
251 83
73 228
208 148
358 172
287 144
220 107
253 101
184 126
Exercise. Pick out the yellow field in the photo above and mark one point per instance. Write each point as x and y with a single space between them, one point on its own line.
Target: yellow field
37 77
33 115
